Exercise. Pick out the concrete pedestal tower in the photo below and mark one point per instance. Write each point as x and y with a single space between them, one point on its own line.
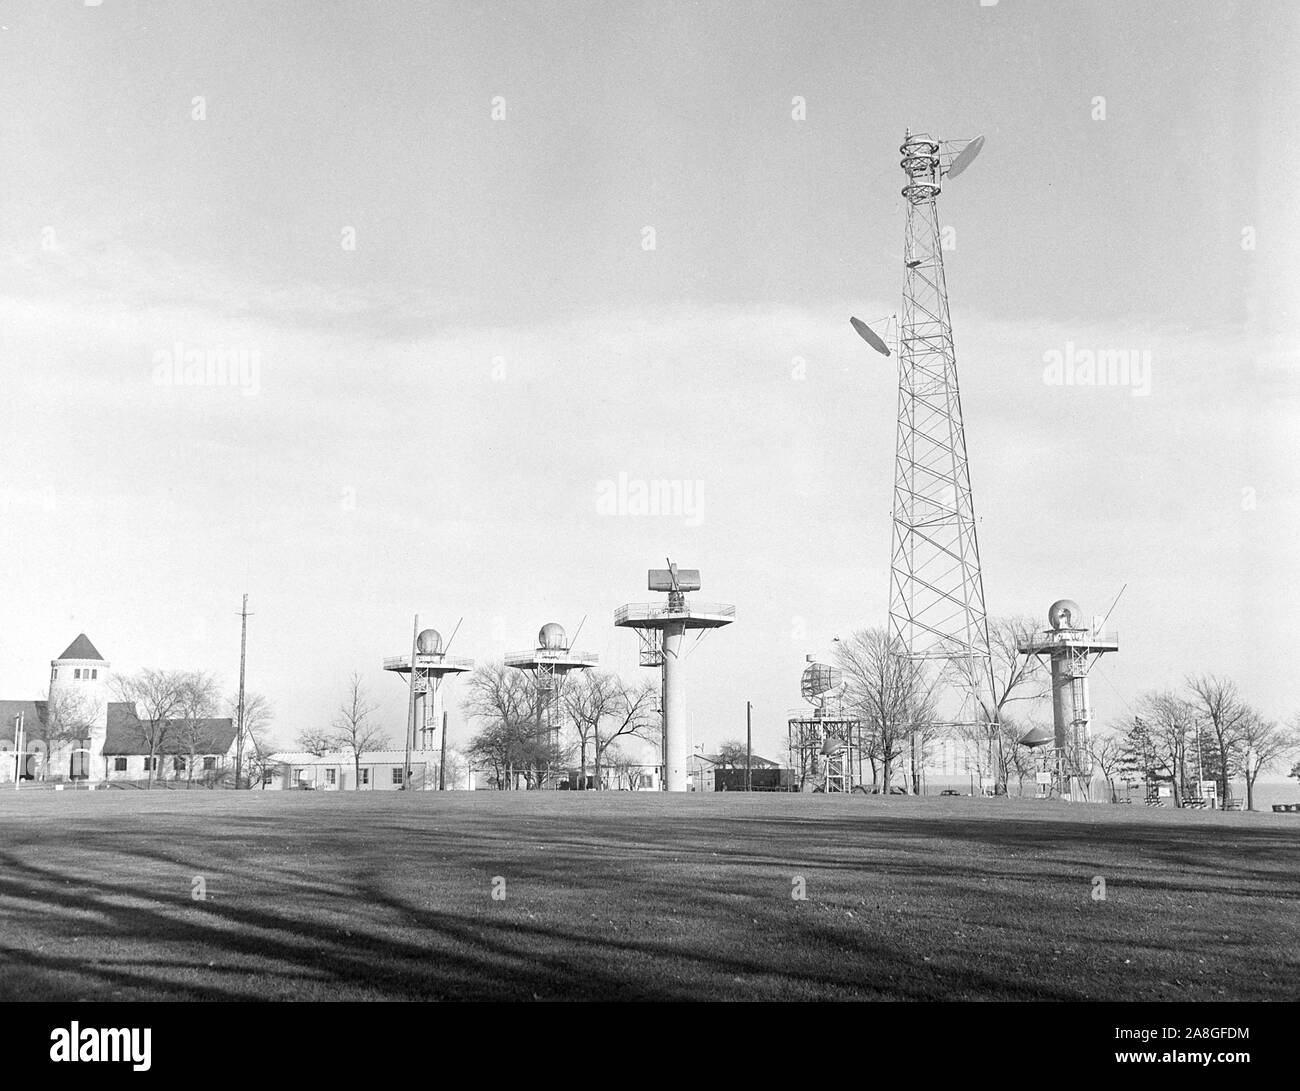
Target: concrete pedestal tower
666 624
1071 648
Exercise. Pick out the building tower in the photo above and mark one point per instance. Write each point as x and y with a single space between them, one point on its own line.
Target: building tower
432 665
549 664
936 591
825 743
1072 649
77 709
663 626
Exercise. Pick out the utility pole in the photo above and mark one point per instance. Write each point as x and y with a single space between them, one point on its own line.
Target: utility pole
442 760
406 763
410 712
20 759
239 735
749 744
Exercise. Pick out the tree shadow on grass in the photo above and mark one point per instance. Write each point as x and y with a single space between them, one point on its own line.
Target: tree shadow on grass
702 904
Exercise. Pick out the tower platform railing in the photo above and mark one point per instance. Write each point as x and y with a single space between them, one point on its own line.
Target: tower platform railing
659 611
1055 638
550 655
450 662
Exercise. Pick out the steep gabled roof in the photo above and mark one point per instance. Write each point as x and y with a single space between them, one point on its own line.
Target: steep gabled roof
81 648
127 736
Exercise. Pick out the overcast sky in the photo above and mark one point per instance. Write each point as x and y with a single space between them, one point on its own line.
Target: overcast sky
427 417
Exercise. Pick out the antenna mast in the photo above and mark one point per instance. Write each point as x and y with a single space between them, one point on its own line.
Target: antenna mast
936 588
243 648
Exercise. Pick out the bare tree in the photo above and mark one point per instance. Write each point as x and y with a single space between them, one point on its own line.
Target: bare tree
155 695
633 715
1155 744
890 693
512 740
1015 759
1108 752
1265 745
625 766
731 754
590 698
353 730
455 769
1015 677
258 714
196 702
1225 713
313 740
69 717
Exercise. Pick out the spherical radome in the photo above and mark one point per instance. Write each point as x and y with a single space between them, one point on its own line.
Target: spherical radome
429 642
551 637
1065 614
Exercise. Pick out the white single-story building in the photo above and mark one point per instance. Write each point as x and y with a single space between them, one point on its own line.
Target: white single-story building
379 771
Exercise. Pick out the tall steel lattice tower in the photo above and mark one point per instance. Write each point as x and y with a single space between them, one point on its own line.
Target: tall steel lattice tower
936 591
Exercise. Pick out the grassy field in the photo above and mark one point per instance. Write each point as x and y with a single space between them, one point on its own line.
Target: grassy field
325 896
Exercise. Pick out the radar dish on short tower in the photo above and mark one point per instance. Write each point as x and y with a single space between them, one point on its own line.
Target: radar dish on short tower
1064 614
825 741
662 628
817 681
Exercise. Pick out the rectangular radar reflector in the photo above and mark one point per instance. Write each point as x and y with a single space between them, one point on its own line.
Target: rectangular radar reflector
688 579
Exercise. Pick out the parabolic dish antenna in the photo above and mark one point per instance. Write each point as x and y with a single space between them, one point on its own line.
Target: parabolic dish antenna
866 333
965 157
1035 737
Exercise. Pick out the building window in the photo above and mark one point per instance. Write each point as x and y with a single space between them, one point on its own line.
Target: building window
77 673
330 775
94 673
365 776
209 763
119 765
178 763
56 673
397 773
150 764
